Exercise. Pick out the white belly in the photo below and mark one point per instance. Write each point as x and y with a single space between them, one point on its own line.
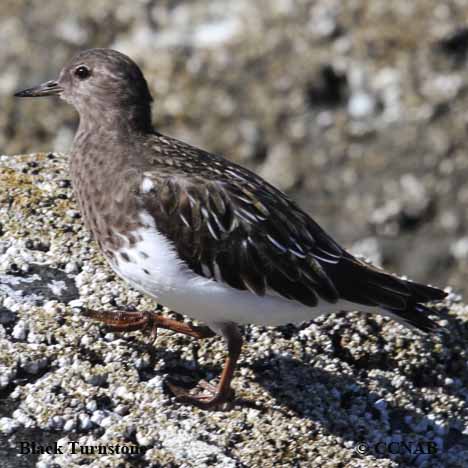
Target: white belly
154 268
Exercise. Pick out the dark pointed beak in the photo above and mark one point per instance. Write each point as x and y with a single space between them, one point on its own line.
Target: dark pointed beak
49 88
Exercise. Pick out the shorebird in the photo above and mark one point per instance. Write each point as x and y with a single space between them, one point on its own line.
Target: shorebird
204 236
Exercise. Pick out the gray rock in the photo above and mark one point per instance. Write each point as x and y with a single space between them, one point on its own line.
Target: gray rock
361 105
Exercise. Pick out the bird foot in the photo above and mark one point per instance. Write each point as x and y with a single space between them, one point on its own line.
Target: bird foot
126 321
204 395
148 322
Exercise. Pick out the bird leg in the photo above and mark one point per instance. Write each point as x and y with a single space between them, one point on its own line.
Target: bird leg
122 321
209 395
205 395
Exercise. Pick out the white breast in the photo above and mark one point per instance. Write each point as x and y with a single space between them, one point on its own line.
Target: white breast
152 266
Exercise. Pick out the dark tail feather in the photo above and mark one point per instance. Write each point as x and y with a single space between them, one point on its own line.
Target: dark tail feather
403 300
416 316
422 293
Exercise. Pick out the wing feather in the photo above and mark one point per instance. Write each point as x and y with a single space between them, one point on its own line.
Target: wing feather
240 235
230 225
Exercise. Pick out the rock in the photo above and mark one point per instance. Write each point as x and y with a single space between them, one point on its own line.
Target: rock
279 169
361 105
6 316
8 425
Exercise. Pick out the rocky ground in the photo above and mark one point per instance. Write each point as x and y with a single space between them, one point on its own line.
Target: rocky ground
308 396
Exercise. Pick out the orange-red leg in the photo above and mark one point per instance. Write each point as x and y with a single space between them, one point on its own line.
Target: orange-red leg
209 396
122 321
205 395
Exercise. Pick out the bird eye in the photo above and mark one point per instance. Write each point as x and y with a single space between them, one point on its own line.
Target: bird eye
82 72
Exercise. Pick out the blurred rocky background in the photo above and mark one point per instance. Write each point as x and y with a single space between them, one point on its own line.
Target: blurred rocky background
357 109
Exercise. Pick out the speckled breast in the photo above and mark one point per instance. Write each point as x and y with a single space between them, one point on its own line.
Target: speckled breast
108 205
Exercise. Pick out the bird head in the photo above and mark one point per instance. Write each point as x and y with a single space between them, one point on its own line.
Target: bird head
99 82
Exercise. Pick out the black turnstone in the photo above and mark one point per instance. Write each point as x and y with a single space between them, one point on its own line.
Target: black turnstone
202 235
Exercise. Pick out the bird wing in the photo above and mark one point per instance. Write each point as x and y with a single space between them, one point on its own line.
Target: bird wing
229 225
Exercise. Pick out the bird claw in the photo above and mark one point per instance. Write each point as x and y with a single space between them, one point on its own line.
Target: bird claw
204 395
151 329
